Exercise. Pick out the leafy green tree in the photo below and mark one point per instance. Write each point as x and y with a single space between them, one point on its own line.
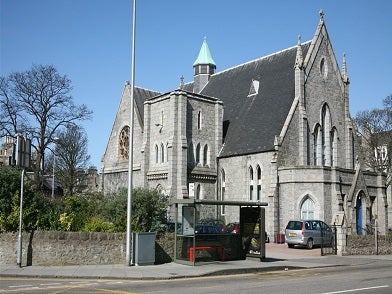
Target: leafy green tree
10 200
38 211
149 209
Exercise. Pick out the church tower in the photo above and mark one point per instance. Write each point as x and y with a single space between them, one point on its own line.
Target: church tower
203 68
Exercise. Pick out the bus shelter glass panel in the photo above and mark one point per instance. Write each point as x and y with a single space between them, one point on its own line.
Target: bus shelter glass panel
185 232
215 239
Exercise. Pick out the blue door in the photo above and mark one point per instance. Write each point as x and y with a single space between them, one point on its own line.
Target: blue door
359 215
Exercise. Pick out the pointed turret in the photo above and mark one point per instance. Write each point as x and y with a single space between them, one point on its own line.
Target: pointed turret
299 60
345 77
203 68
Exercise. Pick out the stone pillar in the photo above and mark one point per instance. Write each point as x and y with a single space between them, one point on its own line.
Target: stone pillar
339 223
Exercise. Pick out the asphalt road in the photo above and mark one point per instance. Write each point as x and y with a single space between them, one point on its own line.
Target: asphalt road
374 277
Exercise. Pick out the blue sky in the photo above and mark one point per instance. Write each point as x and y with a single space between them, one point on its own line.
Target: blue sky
90 42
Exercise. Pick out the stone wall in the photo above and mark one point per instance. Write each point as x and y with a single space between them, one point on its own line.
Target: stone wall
72 248
365 245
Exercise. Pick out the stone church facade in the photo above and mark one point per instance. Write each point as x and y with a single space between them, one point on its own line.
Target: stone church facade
276 129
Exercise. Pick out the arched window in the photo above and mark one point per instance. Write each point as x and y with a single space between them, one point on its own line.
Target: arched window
162 153
198 192
334 147
198 153
258 183
167 152
205 155
307 209
251 184
199 118
156 154
317 145
191 155
326 133
123 144
223 187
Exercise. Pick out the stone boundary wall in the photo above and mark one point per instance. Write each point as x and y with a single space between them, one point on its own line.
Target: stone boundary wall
366 245
74 248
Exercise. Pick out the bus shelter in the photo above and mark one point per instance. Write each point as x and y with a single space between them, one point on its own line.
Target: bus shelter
202 236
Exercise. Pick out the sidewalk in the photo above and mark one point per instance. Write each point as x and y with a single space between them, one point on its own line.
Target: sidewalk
278 258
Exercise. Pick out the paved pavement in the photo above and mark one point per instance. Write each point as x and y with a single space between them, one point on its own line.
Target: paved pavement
278 258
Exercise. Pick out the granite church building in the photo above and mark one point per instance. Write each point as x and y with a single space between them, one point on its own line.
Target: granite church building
276 129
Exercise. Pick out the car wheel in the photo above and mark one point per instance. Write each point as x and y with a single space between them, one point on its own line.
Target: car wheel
309 244
290 245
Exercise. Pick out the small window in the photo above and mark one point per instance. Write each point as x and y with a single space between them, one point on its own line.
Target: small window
205 155
123 148
162 153
254 88
198 153
199 118
156 154
323 68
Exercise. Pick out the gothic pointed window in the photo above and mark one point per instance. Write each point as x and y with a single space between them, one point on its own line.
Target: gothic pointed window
162 153
198 153
258 183
123 144
191 155
205 155
326 135
334 147
199 120
198 192
251 190
307 209
223 188
156 154
317 145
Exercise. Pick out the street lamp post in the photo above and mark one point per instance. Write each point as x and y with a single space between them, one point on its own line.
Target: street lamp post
129 245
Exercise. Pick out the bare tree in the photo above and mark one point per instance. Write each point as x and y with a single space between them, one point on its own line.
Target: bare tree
37 102
375 129
71 158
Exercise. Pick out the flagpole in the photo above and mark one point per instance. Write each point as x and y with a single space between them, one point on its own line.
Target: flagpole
130 250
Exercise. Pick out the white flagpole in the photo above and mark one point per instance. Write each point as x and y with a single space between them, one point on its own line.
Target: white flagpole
130 250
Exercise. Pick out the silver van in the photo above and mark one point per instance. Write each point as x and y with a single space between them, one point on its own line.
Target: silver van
308 233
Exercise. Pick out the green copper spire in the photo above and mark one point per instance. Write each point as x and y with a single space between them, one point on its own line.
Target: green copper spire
204 55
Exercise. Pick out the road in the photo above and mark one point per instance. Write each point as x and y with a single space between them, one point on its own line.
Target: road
374 277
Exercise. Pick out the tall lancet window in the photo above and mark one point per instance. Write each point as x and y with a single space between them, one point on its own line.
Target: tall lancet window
199 120
251 189
326 135
334 147
162 153
198 153
317 145
123 144
258 183
223 191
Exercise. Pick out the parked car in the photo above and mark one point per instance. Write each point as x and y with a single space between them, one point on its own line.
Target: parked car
214 222
234 228
308 233
207 229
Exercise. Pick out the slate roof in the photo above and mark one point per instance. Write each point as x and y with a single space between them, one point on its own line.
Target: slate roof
251 123
141 95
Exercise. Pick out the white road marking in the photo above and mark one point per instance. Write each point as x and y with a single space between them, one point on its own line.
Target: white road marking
358 289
